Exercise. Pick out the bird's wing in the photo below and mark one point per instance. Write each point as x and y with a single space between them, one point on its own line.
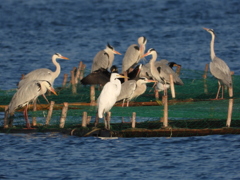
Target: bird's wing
220 70
127 89
27 93
101 60
131 57
38 74
107 97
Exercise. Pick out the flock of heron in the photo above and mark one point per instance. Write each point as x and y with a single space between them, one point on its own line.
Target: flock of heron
128 84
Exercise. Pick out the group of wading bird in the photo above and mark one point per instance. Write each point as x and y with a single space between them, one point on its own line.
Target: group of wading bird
37 82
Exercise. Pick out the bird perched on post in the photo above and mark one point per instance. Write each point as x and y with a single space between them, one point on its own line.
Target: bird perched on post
43 73
132 89
108 96
133 54
104 58
219 68
27 93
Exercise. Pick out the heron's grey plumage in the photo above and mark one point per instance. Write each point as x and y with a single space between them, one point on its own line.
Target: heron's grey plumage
132 89
219 68
26 94
133 54
104 58
43 73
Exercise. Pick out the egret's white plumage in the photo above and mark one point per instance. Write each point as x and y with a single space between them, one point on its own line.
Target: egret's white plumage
109 94
43 73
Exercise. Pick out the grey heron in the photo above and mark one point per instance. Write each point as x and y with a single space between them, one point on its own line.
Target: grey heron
219 68
132 89
104 58
160 71
43 73
108 96
27 93
133 54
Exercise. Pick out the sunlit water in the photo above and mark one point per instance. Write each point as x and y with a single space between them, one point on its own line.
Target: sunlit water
33 30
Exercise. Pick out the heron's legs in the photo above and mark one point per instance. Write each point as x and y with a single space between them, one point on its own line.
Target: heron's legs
26 117
219 87
123 102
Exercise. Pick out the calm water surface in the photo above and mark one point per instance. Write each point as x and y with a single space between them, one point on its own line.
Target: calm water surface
32 31
54 156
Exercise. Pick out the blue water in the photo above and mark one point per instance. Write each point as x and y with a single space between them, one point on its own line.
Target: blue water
31 31
55 156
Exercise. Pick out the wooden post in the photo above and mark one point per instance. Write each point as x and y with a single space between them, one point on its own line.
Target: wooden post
89 119
172 86
92 95
133 119
82 71
230 109
64 115
205 79
78 72
50 112
65 77
84 119
34 119
205 71
165 113
156 92
74 89
178 69
5 117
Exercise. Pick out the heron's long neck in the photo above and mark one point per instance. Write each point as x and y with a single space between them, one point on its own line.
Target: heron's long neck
111 57
142 50
212 53
58 68
154 58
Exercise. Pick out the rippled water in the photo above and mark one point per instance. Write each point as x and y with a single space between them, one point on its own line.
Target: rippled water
32 31
55 156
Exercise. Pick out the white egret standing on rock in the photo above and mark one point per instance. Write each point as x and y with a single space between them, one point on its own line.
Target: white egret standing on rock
27 93
132 89
104 58
219 69
108 96
133 54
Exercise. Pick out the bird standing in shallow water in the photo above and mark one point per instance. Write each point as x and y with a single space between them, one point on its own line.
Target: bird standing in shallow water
104 58
108 96
219 69
27 93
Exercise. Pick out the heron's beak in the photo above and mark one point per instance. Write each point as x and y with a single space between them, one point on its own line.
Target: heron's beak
121 76
149 80
53 91
116 52
64 58
145 55
205 29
